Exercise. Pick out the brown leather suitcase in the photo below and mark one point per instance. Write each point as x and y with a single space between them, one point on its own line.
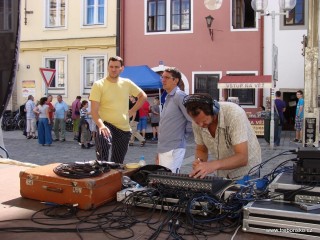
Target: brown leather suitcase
41 183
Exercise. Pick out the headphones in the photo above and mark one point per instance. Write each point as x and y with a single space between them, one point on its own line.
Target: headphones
202 98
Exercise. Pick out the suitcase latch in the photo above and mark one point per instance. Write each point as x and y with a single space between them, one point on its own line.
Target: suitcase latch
75 188
29 180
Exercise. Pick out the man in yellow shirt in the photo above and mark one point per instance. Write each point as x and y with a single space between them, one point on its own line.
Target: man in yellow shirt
110 111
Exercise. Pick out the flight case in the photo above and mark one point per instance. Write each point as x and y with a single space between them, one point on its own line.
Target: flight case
281 219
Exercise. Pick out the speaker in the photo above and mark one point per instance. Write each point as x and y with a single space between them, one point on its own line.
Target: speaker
9 52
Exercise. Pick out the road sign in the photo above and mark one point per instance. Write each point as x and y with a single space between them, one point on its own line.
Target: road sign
47 75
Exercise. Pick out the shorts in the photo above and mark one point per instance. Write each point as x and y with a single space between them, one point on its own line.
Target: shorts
142 125
154 124
298 123
172 159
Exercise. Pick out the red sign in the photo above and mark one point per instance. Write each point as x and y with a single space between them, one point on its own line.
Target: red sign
47 75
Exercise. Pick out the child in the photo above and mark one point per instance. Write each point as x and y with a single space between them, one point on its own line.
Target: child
84 126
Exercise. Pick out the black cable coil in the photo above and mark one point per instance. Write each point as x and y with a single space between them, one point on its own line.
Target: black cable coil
81 170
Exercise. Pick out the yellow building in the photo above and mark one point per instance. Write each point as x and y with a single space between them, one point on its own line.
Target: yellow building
73 37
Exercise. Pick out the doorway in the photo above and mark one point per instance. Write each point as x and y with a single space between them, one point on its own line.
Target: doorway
291 101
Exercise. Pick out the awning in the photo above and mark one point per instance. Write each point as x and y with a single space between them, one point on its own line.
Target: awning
242 82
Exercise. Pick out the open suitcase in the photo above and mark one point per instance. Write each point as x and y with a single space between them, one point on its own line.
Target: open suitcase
41 183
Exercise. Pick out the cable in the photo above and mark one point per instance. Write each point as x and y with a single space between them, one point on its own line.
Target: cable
6 152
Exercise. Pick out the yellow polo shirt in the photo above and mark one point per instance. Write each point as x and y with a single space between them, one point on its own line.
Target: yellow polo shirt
114 100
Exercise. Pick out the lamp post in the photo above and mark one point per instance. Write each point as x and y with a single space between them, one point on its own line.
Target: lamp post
285 6
209 20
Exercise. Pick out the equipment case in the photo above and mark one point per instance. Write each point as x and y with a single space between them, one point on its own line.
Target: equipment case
284 188
281 219
41 183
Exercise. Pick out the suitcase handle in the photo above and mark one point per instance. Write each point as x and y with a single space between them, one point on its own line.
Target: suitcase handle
52 189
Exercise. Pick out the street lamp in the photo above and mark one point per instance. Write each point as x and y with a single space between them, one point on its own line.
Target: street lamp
209 20
285 6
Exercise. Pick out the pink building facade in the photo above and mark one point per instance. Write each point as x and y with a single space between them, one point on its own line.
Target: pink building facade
161 33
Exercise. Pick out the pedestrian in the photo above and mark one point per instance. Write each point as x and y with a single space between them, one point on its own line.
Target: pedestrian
75 109
143 118
84 129
222 129
110 111
51 110
174 123
299 117
134 120
61 109
155 118
92 124
31 118
280 107
44 130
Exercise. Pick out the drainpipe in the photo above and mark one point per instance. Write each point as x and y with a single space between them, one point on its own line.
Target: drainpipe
261 70
118 42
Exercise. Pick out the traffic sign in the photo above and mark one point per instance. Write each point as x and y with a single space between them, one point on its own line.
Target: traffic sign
47 75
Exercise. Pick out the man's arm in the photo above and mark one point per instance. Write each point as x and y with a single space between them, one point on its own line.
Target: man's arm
142 97
96 118
237 160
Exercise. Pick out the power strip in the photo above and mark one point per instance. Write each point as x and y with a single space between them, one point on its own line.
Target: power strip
127 191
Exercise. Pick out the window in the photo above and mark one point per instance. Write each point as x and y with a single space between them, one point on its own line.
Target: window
207 83
168 15
156 15
245 96
93 70
243 16
5 15
94 12
58 64
55 13
180 15
296 15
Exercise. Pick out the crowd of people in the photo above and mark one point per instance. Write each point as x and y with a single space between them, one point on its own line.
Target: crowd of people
117 112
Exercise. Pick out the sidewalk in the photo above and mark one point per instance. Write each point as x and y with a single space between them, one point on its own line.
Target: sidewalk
24 150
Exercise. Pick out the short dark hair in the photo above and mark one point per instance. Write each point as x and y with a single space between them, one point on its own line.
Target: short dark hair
174 72
84 102
195 103
43 100
116 59
278 94
299 91
79 97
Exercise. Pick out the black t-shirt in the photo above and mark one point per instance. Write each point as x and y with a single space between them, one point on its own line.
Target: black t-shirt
136 119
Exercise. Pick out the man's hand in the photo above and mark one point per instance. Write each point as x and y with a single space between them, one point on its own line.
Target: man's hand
105 132
201 169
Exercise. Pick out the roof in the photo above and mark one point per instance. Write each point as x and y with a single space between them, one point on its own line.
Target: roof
262 81
143 76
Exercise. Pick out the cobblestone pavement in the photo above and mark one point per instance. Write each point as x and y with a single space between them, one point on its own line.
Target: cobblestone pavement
24 150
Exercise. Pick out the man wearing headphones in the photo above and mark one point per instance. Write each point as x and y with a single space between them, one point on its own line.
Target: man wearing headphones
224 131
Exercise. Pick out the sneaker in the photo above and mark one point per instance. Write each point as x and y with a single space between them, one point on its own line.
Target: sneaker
300 141
29 137
56 140
89 145
83 146
295 140
131 144
35 137
63 140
